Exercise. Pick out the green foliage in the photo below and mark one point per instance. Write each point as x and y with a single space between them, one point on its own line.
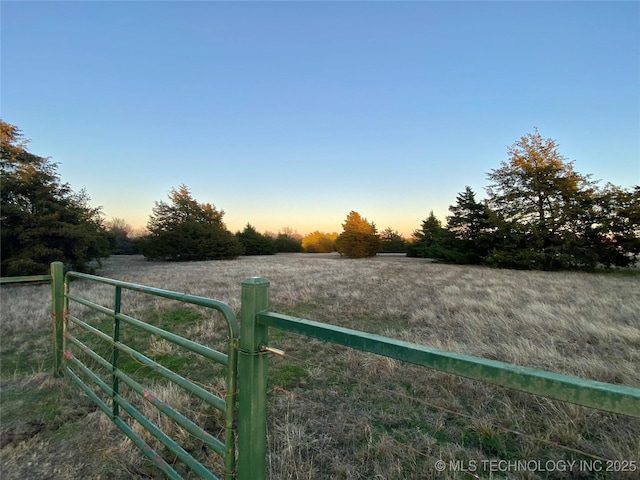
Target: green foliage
431 241
186 230
288 241
42 219
561 218
255 243
472 229
540 214
318 242
613 222
359 238
392 242
538 190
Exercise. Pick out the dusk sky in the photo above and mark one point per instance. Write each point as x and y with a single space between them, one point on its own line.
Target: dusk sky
291 114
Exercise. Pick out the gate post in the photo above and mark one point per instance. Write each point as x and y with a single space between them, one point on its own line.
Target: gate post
57 315
252 382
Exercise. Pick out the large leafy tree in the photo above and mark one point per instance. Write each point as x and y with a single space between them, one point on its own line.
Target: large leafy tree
538 195
187 230
549 216
540 214
359 237
42 219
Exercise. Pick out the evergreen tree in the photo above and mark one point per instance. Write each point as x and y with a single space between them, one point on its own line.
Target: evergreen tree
392 242
431 241
187 230
612 226
471 227
288 242
254 243
43 220
540 214
359 238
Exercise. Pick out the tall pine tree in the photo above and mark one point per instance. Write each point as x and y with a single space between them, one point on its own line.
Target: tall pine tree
472 229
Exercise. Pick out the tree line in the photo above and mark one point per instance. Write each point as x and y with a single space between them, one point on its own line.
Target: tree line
539 214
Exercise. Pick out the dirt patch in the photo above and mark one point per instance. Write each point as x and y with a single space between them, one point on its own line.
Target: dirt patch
74 452
39 457
45 433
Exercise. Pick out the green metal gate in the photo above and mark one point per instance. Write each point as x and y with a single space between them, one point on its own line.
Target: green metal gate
73 367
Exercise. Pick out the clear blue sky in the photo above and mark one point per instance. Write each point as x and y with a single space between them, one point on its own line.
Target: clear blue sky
291 114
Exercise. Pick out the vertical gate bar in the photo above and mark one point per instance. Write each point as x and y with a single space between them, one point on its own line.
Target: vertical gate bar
115 353
57 315
230 411
252 382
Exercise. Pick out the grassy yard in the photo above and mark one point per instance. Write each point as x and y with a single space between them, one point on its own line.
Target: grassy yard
335 413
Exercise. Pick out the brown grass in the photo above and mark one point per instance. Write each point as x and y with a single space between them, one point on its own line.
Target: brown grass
337 413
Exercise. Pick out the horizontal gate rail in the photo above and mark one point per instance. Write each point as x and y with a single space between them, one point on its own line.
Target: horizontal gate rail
180 419
200 392
227 405
257 319
152 454
588 393
203 350
137 441
222 307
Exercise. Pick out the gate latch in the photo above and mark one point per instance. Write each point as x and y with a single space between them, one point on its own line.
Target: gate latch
276 351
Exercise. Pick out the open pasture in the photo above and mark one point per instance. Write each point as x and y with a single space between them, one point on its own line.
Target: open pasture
338 413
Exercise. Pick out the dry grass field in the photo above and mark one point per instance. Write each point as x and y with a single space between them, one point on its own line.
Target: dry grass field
335 413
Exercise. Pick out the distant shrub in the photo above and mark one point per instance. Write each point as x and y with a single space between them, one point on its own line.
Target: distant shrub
392 242
120 238
318 242
255 243
287 243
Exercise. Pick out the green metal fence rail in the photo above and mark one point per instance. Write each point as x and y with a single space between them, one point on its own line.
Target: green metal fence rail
72 366
25 279
256 320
